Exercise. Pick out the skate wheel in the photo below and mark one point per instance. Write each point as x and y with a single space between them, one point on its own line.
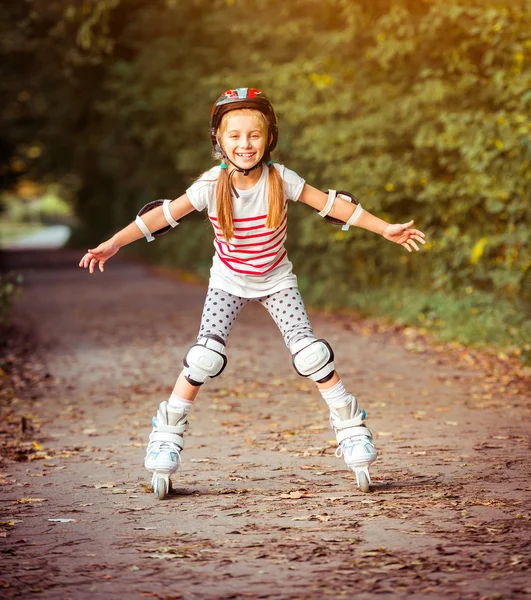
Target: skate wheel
160 487
363 481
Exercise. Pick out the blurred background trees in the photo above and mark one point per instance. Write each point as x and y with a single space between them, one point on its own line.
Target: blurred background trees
421 108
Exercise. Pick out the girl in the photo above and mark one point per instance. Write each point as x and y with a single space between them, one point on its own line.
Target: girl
246 197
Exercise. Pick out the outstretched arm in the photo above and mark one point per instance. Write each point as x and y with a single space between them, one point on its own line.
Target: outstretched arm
401 234
154 220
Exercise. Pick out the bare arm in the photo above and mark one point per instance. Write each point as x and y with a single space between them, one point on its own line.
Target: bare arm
343 209
154 220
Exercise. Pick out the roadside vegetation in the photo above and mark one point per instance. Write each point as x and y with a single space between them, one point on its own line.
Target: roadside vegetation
420 108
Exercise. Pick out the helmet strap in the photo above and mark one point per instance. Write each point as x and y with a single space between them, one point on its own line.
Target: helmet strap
265 158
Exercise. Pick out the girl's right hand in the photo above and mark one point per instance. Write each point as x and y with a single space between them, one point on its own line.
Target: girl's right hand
100 254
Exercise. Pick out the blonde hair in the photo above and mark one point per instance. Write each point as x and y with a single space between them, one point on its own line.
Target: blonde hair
275 199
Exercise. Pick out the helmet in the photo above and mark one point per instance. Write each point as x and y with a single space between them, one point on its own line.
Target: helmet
244 98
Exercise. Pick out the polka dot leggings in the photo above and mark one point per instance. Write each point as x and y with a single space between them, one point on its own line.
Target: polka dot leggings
286 307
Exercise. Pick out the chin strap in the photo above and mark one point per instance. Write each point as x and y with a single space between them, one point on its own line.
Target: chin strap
265 159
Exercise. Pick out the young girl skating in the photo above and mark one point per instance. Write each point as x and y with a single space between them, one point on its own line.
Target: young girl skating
246 198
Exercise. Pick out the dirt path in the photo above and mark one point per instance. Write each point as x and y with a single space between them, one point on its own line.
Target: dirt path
262 508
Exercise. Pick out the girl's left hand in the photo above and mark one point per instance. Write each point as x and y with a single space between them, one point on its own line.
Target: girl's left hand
405 236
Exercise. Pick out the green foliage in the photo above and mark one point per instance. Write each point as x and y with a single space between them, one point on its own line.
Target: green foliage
467 316
46 206
419 107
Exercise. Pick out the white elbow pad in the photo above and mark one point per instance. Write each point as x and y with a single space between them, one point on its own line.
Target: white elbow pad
167 214
332 196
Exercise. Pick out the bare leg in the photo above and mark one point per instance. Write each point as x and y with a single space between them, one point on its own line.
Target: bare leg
330 383
185 390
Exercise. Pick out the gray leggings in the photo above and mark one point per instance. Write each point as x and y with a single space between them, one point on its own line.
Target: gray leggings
286 307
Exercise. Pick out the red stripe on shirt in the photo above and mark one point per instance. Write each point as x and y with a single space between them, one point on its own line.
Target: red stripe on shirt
264 249
248 237
252 272
247 260
236 247
242 228
245 219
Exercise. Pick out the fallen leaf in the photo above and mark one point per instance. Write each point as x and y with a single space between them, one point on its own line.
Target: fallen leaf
321 518
230 491
39 456
297 495
28 500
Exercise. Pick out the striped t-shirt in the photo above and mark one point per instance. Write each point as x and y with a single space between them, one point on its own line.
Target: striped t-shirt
254 262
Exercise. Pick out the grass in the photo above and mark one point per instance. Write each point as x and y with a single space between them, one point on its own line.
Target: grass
472 318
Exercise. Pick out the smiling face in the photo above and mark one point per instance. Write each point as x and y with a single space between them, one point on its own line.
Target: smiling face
243 137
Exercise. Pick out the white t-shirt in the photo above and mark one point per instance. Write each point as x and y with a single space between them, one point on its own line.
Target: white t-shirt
254 262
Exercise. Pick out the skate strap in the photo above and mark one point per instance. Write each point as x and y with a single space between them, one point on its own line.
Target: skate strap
349 432
172 428
354 422
161 436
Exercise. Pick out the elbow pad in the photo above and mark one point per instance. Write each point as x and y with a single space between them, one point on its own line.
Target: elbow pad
332 195
150 206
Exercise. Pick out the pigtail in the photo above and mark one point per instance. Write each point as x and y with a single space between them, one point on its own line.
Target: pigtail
224 205
276 200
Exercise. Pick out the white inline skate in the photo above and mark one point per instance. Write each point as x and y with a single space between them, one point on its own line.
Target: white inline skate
354 441
163 456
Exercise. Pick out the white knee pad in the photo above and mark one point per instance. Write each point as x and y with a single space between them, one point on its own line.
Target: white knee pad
314 359
204 360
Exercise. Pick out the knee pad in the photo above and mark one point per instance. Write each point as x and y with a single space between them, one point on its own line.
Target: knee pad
314 359
204 360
